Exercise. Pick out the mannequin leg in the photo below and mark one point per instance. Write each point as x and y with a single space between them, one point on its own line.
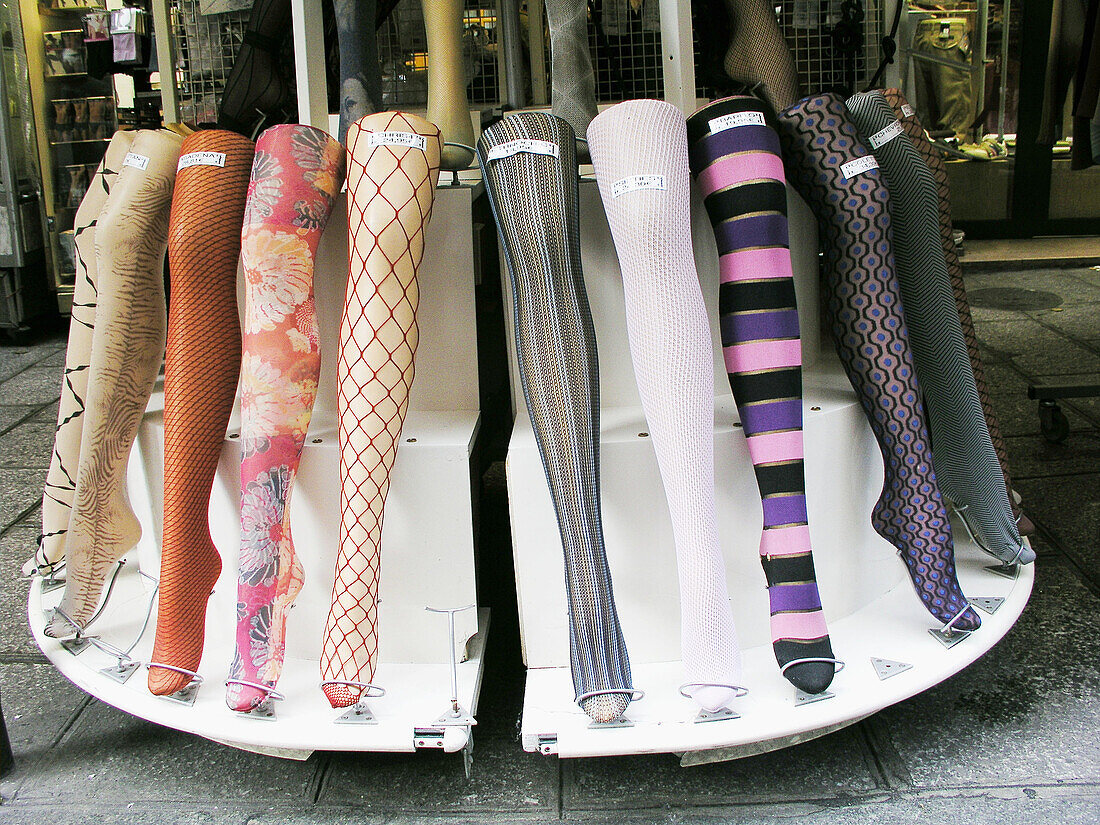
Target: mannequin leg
201 368
127 346
391 189
740 172
57 502
534 201
966 463
447 104
868 324
670 346
360 72
758 55
572 79
256 90
934 159
281 365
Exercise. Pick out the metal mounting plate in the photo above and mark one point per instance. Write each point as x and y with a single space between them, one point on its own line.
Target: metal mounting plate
885 668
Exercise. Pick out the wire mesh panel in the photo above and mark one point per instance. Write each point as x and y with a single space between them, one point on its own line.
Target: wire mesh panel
824 59
403 51
206 46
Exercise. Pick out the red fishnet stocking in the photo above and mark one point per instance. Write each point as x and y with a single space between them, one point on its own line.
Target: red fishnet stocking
391 189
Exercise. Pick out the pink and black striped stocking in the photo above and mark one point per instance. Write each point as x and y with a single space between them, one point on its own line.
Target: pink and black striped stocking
735 159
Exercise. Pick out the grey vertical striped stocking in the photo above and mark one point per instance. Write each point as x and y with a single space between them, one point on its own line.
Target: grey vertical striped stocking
965 460
534 199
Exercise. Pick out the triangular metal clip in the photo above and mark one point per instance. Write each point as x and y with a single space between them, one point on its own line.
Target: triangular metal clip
186 696
49 584
264 710
1005 571
617 722
885 668
120 671
989 604
948 637
357 714
456 717
801 697
719 715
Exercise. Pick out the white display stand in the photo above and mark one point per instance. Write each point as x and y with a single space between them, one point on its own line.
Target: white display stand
868 600
427 540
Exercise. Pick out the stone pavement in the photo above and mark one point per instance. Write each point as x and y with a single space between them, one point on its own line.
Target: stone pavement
1015 738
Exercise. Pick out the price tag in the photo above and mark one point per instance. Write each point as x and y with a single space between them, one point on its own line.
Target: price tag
137 161
407 139
907 110
858 166
885 135
732 121
636 182
528 145
201 159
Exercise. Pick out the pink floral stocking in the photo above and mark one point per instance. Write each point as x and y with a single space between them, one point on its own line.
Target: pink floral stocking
296 175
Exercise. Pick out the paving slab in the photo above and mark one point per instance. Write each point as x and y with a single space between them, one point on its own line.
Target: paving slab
19 491
1071 511
14 360
12 415
829 767
1036 350
16 547
1080 321
1033 455
1026 712
38 704
47 414
1073 286
35 385
28 446
109 756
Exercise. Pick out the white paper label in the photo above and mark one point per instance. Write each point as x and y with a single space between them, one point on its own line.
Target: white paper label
731 121
636 182
907 110
858 166
514 147
201 159
886 135
137 161
409 139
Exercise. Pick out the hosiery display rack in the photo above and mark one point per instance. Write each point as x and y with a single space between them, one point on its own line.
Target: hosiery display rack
427 540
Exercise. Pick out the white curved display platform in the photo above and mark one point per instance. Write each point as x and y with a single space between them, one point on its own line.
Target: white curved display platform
866 594
427 541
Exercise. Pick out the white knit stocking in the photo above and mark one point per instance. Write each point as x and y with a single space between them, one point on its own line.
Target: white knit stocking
639 150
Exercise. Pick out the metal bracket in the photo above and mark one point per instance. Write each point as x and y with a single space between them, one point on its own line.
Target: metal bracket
468 757
948 637
548 744
885 668
989 604
51 583
455 715
617 722
357 714
801 697
720 715
76 645
428 738
121 671
184 696
1005 571
264 711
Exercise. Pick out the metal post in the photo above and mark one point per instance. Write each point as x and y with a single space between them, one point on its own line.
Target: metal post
309 63
678 59
513 55
166 60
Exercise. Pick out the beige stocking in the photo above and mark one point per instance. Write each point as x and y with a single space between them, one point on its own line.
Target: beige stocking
57 502
447 105
393 168
127 347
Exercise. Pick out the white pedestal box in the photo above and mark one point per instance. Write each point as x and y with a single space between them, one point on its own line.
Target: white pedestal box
427 539
868 600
